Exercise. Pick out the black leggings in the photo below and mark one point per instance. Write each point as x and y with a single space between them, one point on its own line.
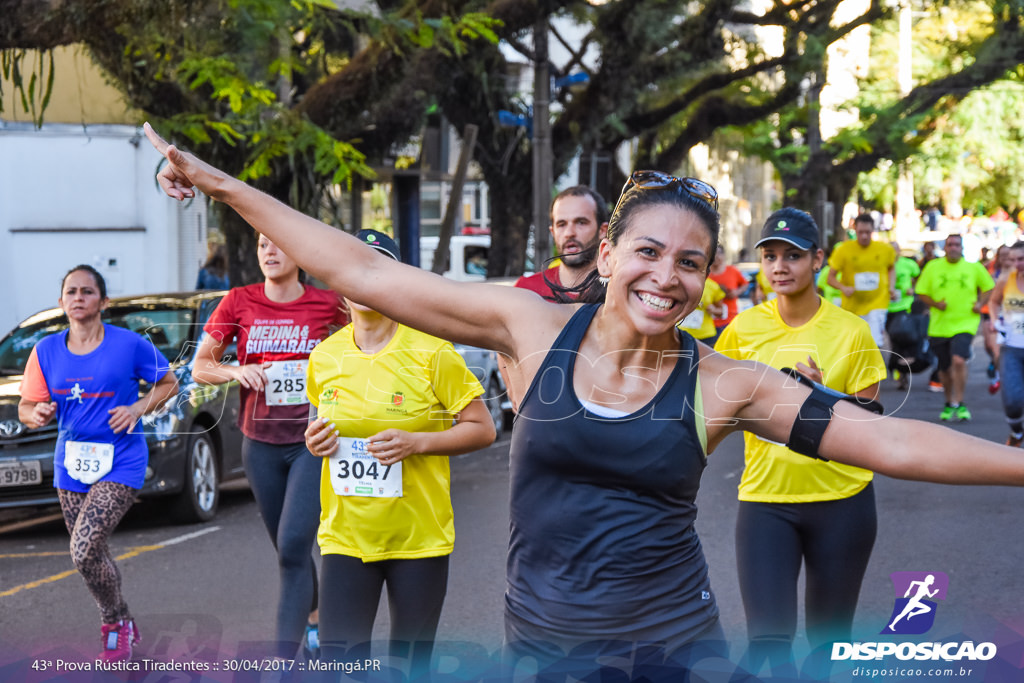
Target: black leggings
350 592
833 538
285 479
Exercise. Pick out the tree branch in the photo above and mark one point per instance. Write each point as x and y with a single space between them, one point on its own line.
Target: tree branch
1003 48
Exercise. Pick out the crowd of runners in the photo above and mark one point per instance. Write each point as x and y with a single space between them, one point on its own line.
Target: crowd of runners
637 324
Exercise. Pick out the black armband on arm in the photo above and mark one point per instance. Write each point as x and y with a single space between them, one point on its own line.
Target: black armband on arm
816 414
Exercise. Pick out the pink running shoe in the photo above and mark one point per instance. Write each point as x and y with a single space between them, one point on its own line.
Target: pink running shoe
118 640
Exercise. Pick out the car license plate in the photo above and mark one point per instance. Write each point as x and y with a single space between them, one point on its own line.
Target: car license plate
20 473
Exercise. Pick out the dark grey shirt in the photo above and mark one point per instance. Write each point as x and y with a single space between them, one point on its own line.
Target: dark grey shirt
602 541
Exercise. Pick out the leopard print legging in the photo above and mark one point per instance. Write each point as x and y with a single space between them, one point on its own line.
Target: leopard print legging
91 518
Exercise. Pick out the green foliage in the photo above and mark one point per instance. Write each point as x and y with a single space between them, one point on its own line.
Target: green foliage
970 141
779 138
198 128
412 29
854 140
233 62
33 95
450 36
981 144
228 83
227 74
877 187
305 145
958 136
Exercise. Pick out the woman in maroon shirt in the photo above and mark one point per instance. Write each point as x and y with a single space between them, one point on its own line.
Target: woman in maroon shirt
276 323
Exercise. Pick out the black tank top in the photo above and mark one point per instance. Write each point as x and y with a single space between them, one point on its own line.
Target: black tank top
602 540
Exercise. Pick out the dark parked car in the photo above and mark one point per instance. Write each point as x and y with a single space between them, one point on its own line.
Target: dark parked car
484 364
194 441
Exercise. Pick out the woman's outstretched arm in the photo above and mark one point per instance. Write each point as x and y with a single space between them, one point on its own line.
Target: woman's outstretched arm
918 450
471 313
749 396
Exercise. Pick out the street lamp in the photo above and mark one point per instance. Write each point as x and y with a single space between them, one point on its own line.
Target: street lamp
510 119
538 127
575 79
906 217
542 181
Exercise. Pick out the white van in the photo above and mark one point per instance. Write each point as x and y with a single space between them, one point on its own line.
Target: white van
468 256
468 263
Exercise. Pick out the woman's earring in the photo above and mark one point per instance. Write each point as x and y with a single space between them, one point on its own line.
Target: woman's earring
603 280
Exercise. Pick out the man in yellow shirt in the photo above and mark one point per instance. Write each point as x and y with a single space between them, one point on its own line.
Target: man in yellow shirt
862 270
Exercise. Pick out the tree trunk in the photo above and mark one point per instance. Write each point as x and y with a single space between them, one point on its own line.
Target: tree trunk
240 240
510 222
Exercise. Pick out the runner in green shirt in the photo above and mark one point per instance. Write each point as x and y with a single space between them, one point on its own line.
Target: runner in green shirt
827 291
955 290
906 272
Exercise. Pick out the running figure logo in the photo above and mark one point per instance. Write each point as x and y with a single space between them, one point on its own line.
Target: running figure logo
914 612
76 393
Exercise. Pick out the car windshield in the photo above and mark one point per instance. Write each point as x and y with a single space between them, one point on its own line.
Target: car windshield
170 330
16 346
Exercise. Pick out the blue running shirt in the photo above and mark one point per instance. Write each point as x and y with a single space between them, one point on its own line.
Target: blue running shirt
85 388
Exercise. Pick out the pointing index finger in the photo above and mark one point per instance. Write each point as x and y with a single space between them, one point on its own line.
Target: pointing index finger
173 177
158 142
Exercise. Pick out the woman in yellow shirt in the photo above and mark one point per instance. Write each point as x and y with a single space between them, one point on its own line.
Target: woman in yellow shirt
793 509
701 322
393 403
1006 306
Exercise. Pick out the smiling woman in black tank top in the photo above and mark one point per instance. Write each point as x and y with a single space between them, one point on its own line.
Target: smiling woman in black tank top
661 240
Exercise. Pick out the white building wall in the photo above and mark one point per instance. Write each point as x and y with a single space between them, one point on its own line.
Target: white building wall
71 195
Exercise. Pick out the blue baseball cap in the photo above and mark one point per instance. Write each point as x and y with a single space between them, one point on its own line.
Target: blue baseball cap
793 226
380 242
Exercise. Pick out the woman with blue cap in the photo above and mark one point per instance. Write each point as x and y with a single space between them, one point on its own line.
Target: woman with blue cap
798 511
393 403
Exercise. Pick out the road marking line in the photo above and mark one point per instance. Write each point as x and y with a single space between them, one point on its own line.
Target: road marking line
27 523
188 537
135 551
37 584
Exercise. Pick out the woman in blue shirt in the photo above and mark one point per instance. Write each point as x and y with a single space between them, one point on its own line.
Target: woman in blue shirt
87 377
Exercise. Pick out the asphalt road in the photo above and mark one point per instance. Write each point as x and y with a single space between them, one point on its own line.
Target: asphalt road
207 592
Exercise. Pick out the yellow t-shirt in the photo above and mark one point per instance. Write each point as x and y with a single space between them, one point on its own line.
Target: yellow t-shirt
1013 312
700 323
842 347
415 383
867 270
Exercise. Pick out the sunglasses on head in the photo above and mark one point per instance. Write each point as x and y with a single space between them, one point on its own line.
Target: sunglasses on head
647 180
